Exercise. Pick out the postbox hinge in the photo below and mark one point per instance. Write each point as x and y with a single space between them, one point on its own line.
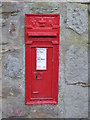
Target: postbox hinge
29 42
29 26
55 42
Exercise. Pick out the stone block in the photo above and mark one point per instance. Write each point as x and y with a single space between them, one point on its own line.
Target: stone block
13 67
76 101
77 18
76 65
16 107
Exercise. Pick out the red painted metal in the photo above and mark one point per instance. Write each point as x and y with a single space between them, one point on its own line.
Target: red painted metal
41 85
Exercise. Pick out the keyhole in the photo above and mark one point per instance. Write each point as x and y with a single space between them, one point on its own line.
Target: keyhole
36 76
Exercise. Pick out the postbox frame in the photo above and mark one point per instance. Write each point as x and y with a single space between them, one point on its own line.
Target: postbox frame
28 47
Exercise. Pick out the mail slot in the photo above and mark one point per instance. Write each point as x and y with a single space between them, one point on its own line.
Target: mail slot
41 58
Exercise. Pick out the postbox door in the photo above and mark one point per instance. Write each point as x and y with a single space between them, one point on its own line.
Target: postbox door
42 69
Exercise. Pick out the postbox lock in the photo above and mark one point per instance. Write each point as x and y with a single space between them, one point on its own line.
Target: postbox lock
36 76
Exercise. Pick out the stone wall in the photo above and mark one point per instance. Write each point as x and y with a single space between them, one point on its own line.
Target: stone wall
73 62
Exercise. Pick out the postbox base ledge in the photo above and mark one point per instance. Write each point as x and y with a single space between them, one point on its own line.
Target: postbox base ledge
41 102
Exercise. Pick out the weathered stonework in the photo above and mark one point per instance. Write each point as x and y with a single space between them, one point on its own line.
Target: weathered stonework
79 1
73 59
13 67
76 15
76 65
76 101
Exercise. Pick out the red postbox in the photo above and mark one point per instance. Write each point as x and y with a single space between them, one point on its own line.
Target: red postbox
41 58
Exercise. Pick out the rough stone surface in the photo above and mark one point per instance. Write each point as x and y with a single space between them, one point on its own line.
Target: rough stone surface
0 109
35 1
80 1
76 18
12 67
73 60
18 109
76 101
0 99
76 68
10 90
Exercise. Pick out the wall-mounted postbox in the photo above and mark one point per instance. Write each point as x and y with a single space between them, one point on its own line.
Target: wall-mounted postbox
41 58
